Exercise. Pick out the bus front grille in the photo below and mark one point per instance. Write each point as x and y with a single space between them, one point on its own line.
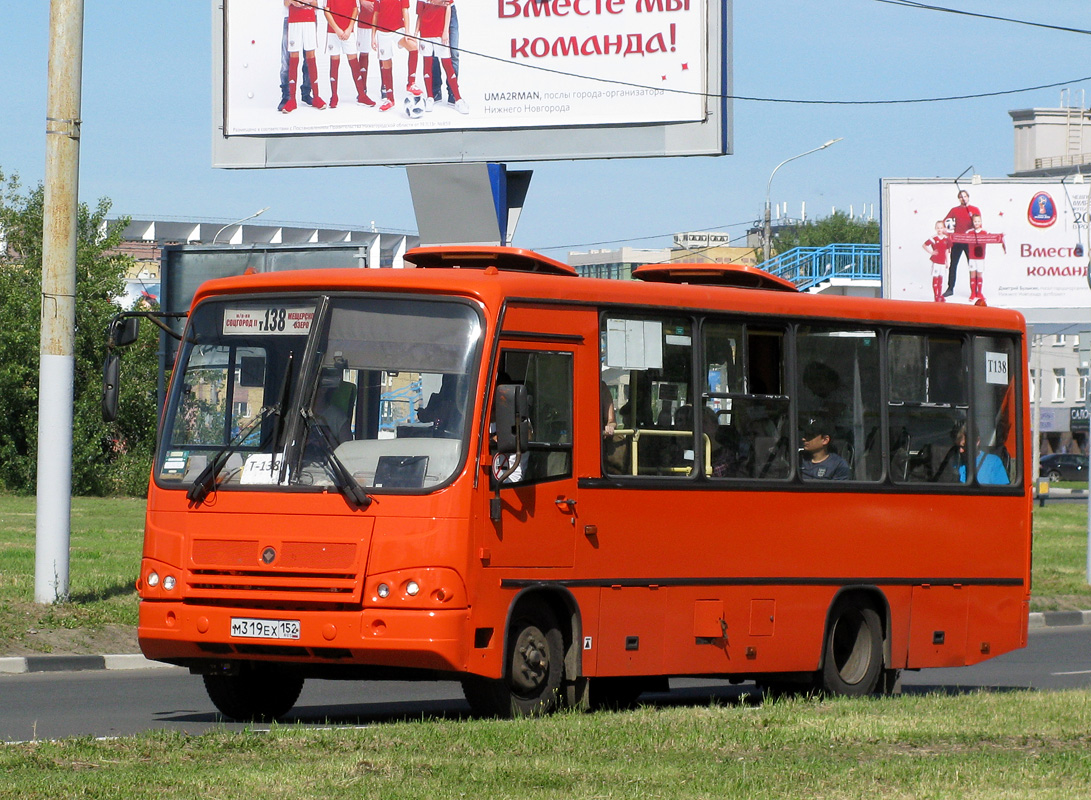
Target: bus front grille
295 586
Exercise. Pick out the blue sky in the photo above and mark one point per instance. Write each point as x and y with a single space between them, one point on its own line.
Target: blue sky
147 121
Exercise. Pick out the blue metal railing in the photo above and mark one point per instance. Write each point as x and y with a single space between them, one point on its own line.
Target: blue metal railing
809 266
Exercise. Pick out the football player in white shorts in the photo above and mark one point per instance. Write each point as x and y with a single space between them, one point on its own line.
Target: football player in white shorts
364 30
433 34
391 21
341 38
302 38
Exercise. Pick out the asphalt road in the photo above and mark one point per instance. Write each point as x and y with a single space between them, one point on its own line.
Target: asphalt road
51 705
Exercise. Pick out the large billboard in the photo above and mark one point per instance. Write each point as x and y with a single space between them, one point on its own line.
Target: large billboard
427 81
1014 243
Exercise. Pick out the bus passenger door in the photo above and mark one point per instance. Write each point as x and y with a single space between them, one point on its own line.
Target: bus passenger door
538 510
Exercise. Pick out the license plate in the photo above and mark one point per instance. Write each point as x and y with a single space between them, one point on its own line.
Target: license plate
244 628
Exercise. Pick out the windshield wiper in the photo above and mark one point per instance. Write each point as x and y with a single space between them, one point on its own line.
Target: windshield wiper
340 474
206 479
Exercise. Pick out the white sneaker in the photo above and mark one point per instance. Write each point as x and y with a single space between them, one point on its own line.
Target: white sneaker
462 107
429 103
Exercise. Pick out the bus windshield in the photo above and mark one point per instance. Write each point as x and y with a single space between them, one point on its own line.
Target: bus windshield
321 391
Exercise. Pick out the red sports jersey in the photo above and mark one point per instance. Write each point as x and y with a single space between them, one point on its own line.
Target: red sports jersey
431 18
343 11
963 217
301 14
367 11
940 246
390 14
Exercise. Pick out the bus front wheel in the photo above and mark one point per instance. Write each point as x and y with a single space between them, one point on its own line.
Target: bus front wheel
535 668
257 693
853 655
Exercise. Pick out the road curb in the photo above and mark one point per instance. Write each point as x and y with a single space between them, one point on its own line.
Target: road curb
1059 619
22 664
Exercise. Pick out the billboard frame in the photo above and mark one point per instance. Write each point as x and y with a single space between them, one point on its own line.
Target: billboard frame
1042 320
710 136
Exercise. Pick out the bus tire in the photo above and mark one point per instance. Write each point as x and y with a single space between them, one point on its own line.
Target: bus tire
535 668
852 661
258 693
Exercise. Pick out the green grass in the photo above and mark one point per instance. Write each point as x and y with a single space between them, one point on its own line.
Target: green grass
106 546
985 745
1059 576
106 541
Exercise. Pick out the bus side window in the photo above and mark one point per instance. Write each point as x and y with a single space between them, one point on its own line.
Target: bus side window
647 372
838 385
995 411
746 398
548 379
928 405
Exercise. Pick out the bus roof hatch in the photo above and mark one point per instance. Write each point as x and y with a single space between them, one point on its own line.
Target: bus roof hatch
514 259
739 276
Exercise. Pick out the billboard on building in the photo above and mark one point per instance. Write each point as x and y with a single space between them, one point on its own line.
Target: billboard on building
516 80
1014 243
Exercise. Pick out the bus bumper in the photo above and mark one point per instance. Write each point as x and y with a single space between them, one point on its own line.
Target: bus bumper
190 635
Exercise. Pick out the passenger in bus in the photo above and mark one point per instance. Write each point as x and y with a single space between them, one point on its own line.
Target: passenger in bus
442 409
990 467
820 462
606 408
615 448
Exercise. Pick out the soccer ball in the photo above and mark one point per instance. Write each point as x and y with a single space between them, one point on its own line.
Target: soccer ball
414 107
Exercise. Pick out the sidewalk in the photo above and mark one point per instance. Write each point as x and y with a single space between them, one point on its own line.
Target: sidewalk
19 665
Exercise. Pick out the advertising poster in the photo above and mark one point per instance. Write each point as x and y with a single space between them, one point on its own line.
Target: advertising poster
1014 244
403 65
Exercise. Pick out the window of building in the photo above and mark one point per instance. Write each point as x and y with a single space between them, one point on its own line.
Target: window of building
1059 384
1083 384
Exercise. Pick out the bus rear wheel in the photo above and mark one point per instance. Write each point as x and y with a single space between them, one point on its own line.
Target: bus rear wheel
257 693
853 655
535 668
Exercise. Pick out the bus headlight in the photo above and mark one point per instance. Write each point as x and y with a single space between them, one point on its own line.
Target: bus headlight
168 583
383 590
153 579
412 588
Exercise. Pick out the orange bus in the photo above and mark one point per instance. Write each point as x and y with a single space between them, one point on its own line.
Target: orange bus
596 485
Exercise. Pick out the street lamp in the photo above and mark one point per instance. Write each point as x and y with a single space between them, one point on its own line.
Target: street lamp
767 232
238 222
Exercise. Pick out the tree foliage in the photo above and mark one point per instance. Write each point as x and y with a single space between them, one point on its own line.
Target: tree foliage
106 459
838 228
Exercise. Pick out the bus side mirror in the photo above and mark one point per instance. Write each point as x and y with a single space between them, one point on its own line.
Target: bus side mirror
122 331
512 419
111 369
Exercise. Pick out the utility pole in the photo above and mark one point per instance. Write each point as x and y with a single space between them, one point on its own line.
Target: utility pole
58 309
